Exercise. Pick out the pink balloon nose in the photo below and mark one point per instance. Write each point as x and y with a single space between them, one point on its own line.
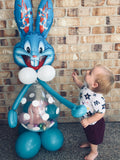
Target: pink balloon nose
34 56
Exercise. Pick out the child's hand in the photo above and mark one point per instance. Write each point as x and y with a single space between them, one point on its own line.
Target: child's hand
84 122
76 79
74 76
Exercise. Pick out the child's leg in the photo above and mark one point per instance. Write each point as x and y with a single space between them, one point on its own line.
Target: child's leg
93 153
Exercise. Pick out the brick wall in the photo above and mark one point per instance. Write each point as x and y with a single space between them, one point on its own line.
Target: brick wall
84 33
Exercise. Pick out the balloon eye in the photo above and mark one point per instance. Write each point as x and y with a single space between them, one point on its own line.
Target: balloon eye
41 47
40 50
28 49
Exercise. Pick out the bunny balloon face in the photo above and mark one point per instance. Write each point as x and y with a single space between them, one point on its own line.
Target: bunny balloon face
33 50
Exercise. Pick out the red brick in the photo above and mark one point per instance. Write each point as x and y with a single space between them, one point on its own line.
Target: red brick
117 46
4 14
9 66
113 2
3 110
106 11
61 40
3 115
6 50
5 58
90 3
14 41
9 4
78 30
2 96
59 64
1 5
118 11
63 94
3 42
111 55
9 33
117 77
59 13
117 85
73 12
10 88
2 24
5 74
51 40
103 30
97 47
66 3
118 29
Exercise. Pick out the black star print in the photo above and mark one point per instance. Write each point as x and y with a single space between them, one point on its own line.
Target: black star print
87 96
96 102
89 113
103 106
94 94
102 98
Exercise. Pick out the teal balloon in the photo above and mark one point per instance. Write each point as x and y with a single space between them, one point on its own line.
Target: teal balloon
21 129
51 109
28 145
26 106
55 125
12 118
52 139
79 111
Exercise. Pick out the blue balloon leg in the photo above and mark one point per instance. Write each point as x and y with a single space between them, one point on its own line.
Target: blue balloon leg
52 139
28 145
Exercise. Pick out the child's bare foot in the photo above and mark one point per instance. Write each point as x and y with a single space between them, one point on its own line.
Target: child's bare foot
91 156
85 145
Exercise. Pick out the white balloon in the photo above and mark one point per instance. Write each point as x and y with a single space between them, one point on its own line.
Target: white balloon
27 75
46 73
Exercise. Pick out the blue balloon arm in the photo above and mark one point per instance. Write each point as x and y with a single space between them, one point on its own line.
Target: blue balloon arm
20 96
64 101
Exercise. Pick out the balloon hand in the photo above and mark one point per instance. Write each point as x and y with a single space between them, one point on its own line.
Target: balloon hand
78 111
12 118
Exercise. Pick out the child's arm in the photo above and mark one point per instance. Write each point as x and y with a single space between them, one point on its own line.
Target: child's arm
96 117
76 80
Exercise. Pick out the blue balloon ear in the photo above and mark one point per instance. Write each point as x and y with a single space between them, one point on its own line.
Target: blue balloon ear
44 17
23 16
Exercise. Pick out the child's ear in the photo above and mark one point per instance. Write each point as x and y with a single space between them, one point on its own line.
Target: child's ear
95 85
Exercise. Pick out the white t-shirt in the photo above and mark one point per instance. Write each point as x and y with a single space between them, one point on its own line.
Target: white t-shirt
94 102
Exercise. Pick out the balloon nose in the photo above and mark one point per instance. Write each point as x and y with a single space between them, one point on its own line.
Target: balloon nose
34 56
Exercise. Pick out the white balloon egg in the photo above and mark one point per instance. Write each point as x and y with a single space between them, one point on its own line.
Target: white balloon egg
27 75
46 73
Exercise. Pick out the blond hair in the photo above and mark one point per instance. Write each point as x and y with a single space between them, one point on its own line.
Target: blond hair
104 79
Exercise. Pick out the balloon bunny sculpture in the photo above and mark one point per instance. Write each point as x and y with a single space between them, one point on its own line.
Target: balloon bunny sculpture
35 55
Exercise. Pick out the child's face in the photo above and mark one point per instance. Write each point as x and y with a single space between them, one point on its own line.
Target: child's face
91 76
